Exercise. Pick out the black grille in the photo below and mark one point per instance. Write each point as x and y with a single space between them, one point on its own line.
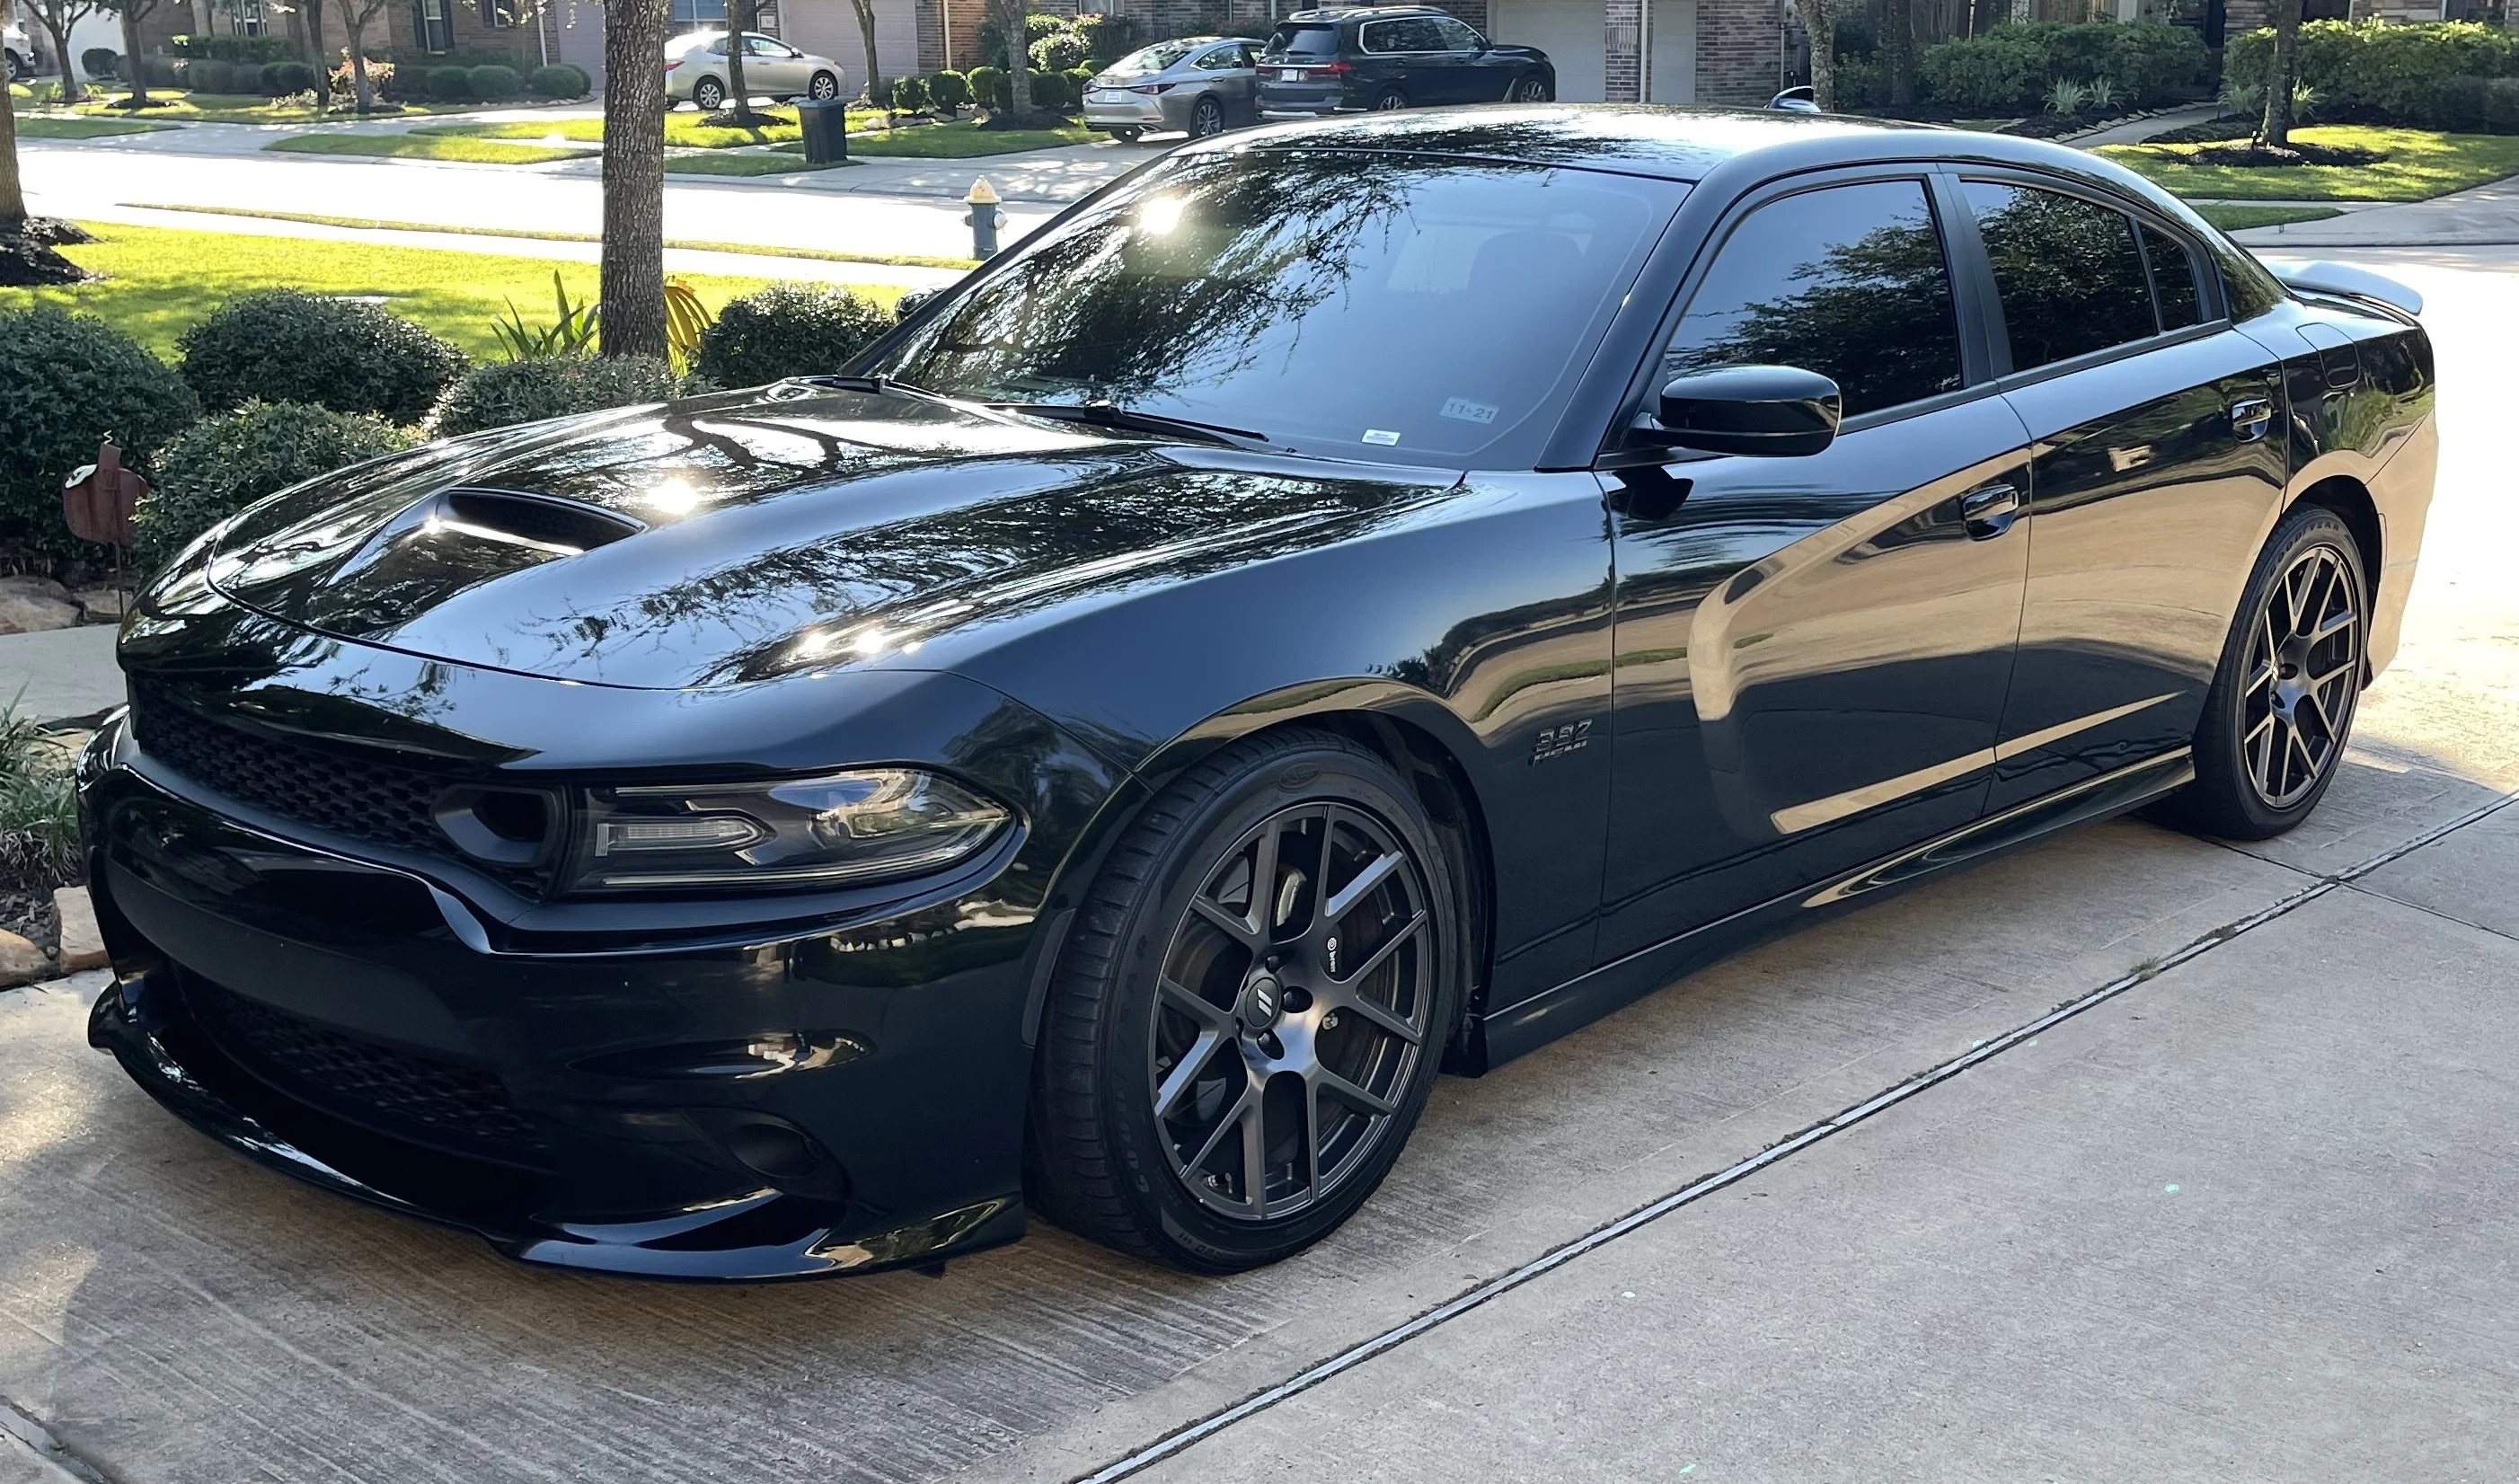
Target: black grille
393 1091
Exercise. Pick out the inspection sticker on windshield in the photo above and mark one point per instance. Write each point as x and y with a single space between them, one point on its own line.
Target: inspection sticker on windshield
1381 435
1463 410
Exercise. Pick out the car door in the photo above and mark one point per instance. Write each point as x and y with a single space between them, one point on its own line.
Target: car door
1812 652
1225 74
772 66
1430 72
1468 74
2158 468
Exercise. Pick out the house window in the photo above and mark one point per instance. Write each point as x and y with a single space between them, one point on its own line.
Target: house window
710 16
435 26
498 15
249 18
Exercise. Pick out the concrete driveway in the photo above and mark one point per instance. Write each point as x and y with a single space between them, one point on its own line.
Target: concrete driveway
2244 1215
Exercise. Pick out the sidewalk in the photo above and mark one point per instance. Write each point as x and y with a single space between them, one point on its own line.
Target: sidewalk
61 673
2486 216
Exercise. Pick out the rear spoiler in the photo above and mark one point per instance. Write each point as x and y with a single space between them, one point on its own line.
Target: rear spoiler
2349 281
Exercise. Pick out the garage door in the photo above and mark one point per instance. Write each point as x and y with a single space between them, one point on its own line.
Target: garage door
1569 33
1674 52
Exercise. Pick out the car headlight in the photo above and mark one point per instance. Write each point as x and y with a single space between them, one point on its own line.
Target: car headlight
866 824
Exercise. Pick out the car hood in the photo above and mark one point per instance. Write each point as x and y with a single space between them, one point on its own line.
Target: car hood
731 539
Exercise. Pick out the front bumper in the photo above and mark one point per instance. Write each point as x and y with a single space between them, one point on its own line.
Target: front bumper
594 1085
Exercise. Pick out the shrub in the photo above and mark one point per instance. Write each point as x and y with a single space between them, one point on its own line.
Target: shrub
789 330
1053 91
1058 51
494 82
878 91
558 79
988 87
39 829
380 76
227 461
2065 96
101 62
2394 69
250 51
71 379
2013 67
288 79
209 75
1107 37
908 95
951 90
510 392
285 345
1861 83
450 84
162 72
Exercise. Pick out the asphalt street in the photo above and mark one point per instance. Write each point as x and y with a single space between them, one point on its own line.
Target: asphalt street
2244 1216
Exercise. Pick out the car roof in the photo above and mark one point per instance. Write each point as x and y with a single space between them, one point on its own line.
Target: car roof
1365 12
1673 142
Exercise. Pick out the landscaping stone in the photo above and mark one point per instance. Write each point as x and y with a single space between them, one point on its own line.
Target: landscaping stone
31 604
21 962
81 946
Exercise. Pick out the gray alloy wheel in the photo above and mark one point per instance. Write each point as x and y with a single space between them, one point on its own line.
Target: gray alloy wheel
1389 99
1529 89
708 95
1246 1017
2280 709
1206 121
822 88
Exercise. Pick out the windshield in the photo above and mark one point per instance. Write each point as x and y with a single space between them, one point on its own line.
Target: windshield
1302 41
1156 58
1394 307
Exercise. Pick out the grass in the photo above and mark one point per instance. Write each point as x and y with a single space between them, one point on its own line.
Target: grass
39 834
685 130
39 127
962 139
2242 218
2421 165
744 164
755 250
249 108
478 151
161 279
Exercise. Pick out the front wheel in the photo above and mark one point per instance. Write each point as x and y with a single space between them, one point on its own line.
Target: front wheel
1246 1023
1530 89
2280 709
824 88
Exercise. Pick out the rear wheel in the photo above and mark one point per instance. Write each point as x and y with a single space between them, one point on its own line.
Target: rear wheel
708 95
1206 121
1389 99
1127 136
2280 710
1246 1024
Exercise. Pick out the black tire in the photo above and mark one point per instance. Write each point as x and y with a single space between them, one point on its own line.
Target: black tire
19 69
708 95
1530 87
2238 794
822 87
1206 121
1389 99
1103 1158
1127 136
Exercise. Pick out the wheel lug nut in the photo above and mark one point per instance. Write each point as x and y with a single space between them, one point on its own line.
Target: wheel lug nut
1329 1022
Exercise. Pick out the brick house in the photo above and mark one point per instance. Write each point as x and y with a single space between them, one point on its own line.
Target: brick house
418 28
1614 51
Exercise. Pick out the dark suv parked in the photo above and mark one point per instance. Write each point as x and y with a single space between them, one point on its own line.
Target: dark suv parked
1392 56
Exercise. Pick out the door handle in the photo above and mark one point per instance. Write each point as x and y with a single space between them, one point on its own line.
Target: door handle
1988 512
2250 416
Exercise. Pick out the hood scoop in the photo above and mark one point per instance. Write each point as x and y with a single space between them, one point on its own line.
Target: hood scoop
559 527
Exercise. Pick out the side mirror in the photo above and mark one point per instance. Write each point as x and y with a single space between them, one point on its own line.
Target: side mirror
1772 411
1801 99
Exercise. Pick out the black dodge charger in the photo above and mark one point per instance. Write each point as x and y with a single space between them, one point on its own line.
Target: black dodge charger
1349 601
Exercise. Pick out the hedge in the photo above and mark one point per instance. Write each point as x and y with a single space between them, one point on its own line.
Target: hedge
225 463
285 345
787 329
2400 70
509 392
558 79
2010 68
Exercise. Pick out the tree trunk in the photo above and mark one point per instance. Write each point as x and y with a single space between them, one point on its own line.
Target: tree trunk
738 23
1898 39
323 64
13 195
56 27
363 93
1819 23
2274 131
633 176
139 78
865 29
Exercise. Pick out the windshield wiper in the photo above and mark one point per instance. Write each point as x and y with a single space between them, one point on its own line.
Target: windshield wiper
1113 415
879 384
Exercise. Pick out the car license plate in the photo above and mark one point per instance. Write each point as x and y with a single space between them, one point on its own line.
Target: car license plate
1289 74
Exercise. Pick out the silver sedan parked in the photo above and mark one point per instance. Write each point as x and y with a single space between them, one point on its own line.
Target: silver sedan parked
695 71
1198 85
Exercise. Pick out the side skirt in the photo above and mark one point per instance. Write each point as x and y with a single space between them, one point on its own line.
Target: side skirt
1504 1035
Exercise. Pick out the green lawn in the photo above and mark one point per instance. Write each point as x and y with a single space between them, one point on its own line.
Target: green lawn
755 250
2242 218
963 139
743 164
2419 165
250 108
479 151
684 129
39 127
161 279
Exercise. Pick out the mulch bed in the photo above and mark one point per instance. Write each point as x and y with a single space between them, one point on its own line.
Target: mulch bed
29 915
2257 157
2212 131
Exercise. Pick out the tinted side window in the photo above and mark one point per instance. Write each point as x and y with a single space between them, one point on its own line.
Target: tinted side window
2068 272
1456 35
2173 280
1847 281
